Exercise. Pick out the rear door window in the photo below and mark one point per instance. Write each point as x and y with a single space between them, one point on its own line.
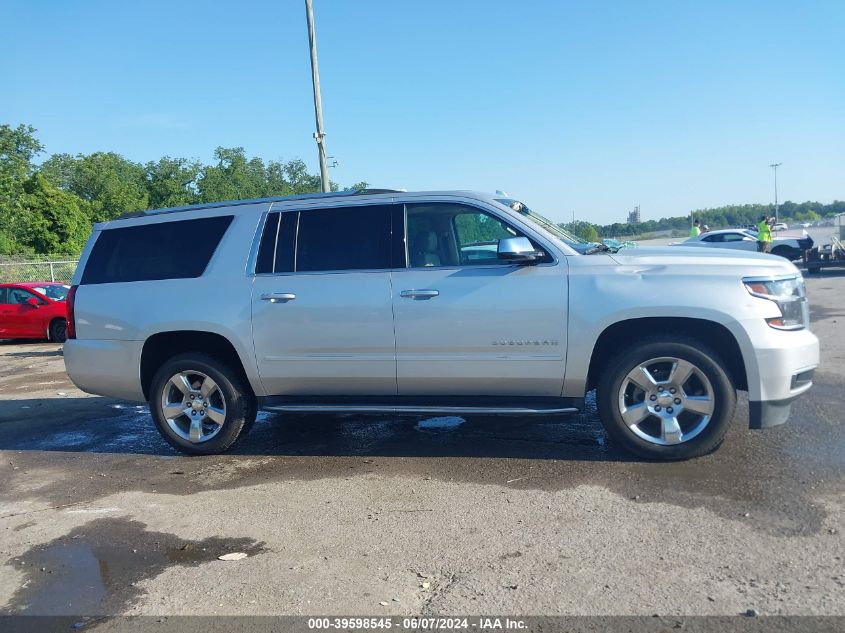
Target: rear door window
164 250
344 238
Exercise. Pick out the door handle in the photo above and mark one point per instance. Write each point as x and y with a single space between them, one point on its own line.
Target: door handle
278 297
419 294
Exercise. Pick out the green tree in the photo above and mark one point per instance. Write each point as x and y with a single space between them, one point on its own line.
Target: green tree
591 234
233 177
112 184
172 182
51 220
18 148
358 186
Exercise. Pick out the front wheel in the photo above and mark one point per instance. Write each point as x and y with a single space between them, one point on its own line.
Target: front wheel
199 405
667 399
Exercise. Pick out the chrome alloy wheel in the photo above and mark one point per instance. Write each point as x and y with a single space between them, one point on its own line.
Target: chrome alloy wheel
666 401
193 406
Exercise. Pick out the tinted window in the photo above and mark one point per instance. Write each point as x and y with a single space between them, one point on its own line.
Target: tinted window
713 238
3 295
344 238
285 244
267 249
165 250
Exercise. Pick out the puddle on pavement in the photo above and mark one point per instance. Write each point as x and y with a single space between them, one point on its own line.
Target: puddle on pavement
95 569
442 423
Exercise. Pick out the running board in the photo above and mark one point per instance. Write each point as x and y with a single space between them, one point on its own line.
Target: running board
410 409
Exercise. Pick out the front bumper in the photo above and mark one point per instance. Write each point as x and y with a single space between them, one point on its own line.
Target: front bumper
785 365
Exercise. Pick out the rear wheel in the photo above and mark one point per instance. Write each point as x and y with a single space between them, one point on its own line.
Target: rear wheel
200 405
58 330
667 399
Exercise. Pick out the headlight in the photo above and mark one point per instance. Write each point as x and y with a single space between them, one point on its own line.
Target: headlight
789 296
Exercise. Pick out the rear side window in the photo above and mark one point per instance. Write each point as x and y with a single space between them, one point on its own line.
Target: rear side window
165 250
340 238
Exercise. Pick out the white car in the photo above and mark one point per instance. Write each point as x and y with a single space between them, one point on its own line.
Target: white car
780 226
746 240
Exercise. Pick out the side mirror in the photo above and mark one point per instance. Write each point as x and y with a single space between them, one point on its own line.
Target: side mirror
517 249
32 301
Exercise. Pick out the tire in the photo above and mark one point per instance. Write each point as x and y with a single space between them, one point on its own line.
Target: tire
630 415
58 330
787 252
203 418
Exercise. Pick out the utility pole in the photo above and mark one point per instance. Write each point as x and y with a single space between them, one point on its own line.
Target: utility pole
320 134
775 167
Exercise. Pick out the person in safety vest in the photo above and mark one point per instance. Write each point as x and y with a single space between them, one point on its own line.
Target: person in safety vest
764 235
695 231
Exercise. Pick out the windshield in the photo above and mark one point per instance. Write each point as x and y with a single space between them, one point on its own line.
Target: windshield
56 293
561 233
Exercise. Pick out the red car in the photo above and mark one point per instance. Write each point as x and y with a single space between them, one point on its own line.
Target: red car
33 310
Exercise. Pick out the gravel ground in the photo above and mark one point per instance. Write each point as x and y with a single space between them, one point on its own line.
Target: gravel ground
408 515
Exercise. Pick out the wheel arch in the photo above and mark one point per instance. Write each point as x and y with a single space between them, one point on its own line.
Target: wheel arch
159 347
618 335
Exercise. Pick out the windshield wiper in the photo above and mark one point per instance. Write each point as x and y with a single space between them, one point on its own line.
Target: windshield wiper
598 248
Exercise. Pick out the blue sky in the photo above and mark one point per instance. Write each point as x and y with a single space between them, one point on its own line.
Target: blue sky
589 107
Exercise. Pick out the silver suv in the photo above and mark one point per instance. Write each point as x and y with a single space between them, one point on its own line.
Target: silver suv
460 302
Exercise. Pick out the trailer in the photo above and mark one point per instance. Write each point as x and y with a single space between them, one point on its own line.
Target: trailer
827 256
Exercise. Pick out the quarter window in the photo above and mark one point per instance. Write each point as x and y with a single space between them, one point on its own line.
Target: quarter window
163 250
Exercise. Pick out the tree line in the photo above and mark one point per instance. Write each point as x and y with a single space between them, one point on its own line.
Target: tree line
718 218
49 207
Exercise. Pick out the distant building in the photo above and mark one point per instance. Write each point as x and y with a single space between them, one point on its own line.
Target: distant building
634 216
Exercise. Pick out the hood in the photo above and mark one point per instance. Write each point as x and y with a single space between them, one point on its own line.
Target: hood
679 257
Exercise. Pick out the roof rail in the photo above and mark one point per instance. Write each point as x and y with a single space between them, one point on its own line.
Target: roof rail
231 203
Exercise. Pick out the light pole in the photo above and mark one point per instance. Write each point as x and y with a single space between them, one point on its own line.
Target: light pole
775 166
320 134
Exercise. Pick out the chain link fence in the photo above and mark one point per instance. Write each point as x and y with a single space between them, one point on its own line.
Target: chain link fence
37 269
